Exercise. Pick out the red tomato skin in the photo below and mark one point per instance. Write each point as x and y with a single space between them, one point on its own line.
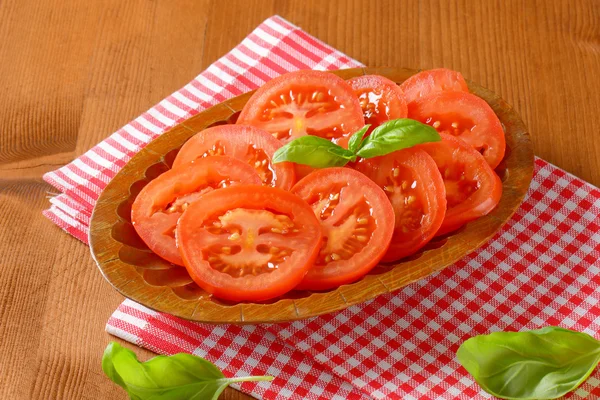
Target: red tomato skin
450 150
431 194
249 288
486 135
432 81
158 191
338 273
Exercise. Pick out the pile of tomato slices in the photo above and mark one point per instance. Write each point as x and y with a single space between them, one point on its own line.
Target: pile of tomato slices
249 229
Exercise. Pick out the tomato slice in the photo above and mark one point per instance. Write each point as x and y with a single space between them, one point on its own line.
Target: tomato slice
305 103
160 203
433 81
380 99
464 115
416 190
248 243
247 143
357 221
472 188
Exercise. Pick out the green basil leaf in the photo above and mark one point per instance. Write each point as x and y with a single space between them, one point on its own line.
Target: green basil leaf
356 140
180 376
540 364
395 135
315 152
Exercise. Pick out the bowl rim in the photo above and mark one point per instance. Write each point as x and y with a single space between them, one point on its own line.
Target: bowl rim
518 163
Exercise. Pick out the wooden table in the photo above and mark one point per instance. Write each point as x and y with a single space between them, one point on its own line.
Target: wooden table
74 71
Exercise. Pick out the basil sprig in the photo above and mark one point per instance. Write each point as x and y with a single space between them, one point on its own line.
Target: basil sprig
357 139
388 137
314 151
395 135
177 377
540 364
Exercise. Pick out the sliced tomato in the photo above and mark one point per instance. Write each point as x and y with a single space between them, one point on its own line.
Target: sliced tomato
380 99
433 81
247 143
305 103
416 190
472 188
357 221
248 243
464 115
159 205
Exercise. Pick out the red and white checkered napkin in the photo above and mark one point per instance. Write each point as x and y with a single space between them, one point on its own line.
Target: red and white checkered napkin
541 269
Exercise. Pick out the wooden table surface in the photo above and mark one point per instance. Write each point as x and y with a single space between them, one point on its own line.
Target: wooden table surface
73 72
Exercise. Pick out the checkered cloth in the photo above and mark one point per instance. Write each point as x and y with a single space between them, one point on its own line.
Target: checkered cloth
541 269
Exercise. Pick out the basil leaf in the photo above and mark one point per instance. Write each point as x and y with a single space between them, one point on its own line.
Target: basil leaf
356 140
540 364
181 376
315 152
395 135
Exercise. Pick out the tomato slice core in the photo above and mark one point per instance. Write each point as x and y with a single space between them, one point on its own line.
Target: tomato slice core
357 223
381 99
466 116
305 103
248 243
472 188
414 186
246 143
161 202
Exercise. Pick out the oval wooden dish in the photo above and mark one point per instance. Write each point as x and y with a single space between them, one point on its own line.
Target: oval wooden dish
137 273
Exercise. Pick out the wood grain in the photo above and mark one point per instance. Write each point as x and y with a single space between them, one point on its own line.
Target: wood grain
73 72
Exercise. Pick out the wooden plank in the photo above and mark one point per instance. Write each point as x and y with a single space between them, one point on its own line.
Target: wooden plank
73 72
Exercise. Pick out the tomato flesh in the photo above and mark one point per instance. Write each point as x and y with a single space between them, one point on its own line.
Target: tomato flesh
466 116
415 188
357 222
380 99
248 243
305 103
472 188
247 143
433 81
161 202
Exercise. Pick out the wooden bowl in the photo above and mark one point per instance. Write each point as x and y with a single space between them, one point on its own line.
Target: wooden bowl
139 274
